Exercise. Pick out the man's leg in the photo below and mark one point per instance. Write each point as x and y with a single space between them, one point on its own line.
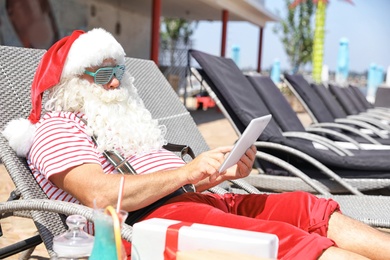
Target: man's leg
357 237
333 253
321 216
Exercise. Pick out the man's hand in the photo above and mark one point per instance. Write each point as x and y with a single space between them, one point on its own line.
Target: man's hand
206 165
244 165
203 170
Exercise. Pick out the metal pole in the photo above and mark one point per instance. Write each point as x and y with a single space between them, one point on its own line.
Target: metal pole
260 50
155 37
225 17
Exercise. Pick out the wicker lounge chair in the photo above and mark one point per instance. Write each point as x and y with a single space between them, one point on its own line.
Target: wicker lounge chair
18 66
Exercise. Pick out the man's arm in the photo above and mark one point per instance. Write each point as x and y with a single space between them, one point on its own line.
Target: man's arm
88 182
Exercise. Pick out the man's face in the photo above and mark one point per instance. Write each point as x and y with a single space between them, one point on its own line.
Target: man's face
112 84
115 114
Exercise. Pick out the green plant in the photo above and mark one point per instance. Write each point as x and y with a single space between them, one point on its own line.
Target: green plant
296 34
175 30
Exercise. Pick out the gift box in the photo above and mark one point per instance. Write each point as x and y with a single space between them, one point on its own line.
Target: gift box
156 238
214 255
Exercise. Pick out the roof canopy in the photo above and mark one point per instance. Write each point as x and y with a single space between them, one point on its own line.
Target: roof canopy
252 11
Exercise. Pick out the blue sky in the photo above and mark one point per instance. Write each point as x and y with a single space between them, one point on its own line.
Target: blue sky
366 25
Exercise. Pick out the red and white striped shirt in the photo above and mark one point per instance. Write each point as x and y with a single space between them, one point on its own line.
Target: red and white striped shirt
61 142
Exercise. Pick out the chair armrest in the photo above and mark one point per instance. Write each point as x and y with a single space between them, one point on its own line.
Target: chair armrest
311 160
321 140
60 207
343 126
371 120
334 133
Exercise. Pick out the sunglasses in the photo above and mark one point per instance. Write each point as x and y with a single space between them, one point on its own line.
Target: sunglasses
104 75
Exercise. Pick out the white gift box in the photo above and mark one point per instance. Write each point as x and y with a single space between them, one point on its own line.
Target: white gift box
149 240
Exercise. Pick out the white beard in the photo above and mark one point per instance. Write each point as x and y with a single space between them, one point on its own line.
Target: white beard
118 117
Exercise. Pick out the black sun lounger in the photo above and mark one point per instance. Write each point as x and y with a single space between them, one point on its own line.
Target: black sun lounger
291 126
325 111
346 96
235 93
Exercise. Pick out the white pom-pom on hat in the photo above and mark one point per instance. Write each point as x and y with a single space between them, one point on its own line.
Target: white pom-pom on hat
20 135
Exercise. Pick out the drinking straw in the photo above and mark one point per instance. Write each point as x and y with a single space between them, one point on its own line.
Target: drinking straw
117 230
120 194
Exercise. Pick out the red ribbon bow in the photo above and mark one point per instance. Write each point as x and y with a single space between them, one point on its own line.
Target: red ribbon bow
172 240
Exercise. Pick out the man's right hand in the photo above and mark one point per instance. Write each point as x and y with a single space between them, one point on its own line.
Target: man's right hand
206 165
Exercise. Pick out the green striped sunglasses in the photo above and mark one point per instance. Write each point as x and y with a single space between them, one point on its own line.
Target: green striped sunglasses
104 75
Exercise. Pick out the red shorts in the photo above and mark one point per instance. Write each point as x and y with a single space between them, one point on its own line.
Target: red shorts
299 219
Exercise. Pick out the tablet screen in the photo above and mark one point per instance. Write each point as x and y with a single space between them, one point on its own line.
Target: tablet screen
249 137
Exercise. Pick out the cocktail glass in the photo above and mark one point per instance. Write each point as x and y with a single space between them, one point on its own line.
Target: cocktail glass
106 238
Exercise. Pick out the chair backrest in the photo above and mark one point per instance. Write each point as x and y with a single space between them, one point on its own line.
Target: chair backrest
382 97
17 71
18 67
307 94
329 100
277 104
345 101
359 95
352 97
238 96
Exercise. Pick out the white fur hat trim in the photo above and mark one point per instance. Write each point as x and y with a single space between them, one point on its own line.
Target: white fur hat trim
90 49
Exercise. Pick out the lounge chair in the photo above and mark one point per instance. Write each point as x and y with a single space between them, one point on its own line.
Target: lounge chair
349 105
28 200
18 66
349 101
374 117
290 124
344 99
235 93
352 106
326 112
359 96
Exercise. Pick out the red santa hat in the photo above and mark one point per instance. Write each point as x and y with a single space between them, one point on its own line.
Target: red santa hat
67 58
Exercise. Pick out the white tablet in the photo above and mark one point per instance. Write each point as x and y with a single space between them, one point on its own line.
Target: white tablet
249 137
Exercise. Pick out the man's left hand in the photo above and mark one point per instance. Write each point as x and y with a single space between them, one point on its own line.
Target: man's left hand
244 165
